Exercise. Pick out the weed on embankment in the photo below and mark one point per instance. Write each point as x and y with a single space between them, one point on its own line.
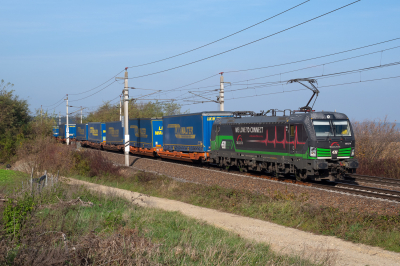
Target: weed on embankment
281 208
67 225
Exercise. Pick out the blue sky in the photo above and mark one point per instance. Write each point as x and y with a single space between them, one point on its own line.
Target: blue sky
51 48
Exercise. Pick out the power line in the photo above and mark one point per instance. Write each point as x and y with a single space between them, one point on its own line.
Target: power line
97 86
62 99
341 84
94 93
230 35
328 63
278 83
241 46
272 93
318 57
299 69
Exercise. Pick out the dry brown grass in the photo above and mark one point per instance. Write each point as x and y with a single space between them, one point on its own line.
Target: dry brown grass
377 148
45 154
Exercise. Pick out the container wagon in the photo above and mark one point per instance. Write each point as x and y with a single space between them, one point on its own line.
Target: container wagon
55 131
187 136
114 135
146 135
97 132
62 130
82 132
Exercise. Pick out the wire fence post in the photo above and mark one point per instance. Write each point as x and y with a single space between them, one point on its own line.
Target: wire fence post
32 181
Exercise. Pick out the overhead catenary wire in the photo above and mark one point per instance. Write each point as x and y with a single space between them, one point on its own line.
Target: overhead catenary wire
280 82
313 58
323 64
98 85
230 35
94 93
326 86
319 77
288 91
293 62
246 44
62 99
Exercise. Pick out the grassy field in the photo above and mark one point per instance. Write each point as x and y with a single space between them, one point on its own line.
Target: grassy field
284 209
67 225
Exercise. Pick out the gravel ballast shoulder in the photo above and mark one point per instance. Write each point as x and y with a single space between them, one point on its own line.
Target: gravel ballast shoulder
316 196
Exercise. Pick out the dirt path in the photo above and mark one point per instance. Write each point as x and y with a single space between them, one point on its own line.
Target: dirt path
282 239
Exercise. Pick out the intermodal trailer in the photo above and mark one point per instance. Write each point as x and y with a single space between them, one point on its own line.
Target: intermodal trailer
55 131
190 132
114 133
97 132
134 131
151 133
63 129
82 132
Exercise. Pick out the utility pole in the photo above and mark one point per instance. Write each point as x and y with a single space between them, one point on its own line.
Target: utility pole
126 119
221 92
67 128
120 107
81 114
41 114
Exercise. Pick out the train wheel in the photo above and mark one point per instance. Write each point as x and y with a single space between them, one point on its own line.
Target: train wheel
301 175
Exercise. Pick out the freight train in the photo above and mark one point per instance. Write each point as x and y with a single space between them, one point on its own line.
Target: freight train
310 145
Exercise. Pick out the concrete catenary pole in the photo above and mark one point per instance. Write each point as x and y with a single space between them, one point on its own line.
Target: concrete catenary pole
67 128
41 114
221 93
81 114
126 124
120 107
59 119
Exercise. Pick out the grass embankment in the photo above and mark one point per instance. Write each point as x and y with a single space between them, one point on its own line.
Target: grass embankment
9 180
282 208
54 228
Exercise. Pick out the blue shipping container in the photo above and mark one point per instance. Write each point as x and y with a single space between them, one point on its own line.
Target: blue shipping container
81 132
134 131
157 129
62 130
145 132
97 132
115 133
150 133
189 132
55 131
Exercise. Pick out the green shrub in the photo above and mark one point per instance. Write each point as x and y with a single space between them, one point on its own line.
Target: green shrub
15 214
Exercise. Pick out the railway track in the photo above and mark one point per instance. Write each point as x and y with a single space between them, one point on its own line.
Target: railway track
360 190
343 187
374 180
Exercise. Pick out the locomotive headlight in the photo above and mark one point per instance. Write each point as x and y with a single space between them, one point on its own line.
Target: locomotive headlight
313 152
353 152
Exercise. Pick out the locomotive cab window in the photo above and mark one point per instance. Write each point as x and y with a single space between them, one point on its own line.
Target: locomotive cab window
326 128
341 128
323 128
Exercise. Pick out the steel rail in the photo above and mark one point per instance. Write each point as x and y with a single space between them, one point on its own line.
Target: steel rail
360 190
375 179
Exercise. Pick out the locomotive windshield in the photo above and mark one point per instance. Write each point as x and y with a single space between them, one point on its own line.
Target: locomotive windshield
326 128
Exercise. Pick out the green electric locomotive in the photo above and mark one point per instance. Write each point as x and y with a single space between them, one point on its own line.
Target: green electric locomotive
310 145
